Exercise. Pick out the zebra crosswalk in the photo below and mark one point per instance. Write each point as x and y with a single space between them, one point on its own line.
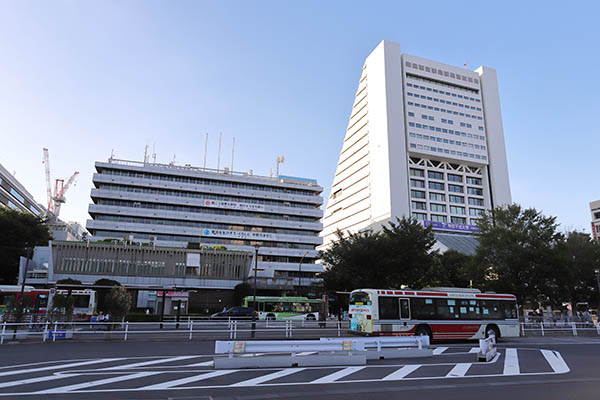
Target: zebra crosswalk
188 372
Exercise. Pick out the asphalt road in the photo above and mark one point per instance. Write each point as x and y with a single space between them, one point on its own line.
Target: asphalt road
526 368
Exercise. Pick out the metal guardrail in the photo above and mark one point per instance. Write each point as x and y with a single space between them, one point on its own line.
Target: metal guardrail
550 327
199 329
285 346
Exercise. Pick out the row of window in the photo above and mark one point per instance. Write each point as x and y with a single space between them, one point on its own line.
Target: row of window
419 205
435 99
203 196
451 198
440 176
447 151
438 186
209 182
444 130
417 194
447 141
196 239
203 225
201 210
424 106
448 85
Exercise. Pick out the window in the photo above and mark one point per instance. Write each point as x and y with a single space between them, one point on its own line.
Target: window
457 210
424 116
437 197
417 172
417 194
388 308
17 195
454 178
490 309
411 114
436 186
438 218
418 205
435 175
458 220
417 183
476 212
456 199
455 188
404 309
419 216
475 191
437 207
473 181
422 308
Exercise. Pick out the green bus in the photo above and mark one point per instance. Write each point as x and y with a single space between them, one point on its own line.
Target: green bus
297 308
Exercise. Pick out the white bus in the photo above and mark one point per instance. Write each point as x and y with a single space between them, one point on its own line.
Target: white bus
441 313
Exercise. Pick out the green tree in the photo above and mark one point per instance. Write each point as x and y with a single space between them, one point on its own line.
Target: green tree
400 254
518 250
240 291
457 269
69 281
117 303
18 232
102 293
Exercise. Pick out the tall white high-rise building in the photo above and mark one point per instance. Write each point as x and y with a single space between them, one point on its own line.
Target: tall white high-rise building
425 139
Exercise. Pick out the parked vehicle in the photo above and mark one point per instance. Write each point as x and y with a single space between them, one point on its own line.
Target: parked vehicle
236 313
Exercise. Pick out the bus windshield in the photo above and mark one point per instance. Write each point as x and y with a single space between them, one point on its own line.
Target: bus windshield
360 298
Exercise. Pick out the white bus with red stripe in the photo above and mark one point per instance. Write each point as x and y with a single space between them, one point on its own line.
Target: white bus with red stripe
441 313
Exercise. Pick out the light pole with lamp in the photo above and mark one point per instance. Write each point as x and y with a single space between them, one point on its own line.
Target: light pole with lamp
254 291
300 270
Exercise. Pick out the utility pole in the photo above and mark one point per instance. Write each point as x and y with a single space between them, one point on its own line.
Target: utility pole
254 291
300 271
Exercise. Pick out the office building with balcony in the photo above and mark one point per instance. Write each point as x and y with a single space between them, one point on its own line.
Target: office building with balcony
14 195
595 211
424 140
185 206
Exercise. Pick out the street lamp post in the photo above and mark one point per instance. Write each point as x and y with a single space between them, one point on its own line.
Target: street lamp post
300 271
254 291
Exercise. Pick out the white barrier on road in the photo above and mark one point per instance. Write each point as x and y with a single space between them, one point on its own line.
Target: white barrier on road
284 346
380 342
487 349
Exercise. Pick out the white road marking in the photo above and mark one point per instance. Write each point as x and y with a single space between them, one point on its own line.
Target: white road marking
201 364
61 366
306 353
151 362
439 350
70 388
474 350
34 380
337 375
183 381
459 370
556 361
401 373
511 362
269 377
252 354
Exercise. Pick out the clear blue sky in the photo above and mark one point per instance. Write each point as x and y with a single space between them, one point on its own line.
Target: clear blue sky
82 78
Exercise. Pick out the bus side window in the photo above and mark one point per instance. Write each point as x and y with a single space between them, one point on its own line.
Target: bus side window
388 308
404 309
510 310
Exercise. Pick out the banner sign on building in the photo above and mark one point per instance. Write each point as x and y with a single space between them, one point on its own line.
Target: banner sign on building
449 226
237 234
234 205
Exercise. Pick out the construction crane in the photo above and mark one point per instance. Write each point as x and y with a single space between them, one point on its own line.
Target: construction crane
60 188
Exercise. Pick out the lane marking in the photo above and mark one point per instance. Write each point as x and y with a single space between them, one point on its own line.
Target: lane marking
511 362
439 350
34 380
70 388
337 375
151 362
401 373
201 364
460 370
77 364
268 377
183 381
556 361
306 353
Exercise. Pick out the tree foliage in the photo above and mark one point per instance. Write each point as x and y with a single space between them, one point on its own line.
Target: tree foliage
117 303
103 292
240 291
400 255
18 232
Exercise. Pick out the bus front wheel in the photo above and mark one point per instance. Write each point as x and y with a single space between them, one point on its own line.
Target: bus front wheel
424 330
310 317
270 317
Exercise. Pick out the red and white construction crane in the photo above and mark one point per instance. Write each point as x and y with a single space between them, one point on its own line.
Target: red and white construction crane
60 188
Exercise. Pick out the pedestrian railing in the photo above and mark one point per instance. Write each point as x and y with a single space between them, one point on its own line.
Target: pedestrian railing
190 330
573 328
